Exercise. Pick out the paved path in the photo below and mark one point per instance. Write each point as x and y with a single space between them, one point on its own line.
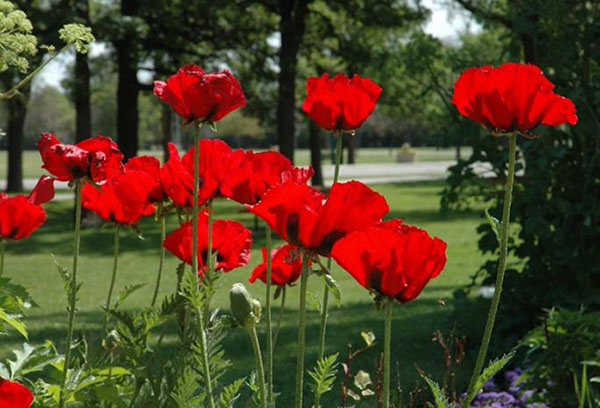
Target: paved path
373 173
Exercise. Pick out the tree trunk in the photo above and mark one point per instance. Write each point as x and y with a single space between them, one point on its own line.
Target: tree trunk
17 110
292 15
127 88
314 142
83 110
166 130
351 146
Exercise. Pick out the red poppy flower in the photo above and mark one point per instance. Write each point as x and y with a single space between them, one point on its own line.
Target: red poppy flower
151 166
124 199
177 175
511 97
392 259
21 215
97 158
14 395
340 103
43 191
198 96
232 243
257 172
286 266
302 216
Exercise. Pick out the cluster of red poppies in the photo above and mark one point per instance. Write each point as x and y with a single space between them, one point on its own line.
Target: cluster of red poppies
389 258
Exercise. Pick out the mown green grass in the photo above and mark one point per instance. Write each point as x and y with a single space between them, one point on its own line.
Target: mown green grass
29 263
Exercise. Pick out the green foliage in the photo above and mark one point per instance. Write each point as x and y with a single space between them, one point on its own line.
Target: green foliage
14 300
556 200
441 401
556 349
16 39
323 376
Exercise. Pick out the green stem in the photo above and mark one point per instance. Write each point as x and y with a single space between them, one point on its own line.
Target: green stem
2 251
268 318
210 266
259 366
199 312
387 340
489 326
112 279
279 318
163 233
73 292
15 89
324 311
301 332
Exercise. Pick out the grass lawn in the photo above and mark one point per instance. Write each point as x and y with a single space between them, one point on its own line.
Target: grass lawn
32 162
29 263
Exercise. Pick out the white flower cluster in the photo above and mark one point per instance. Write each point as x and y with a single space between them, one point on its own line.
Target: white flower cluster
16 41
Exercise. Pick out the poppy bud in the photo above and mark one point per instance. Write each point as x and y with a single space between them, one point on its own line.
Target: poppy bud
244 307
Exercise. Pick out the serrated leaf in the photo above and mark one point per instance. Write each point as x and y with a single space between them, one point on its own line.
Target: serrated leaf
323 376
494 222
334 289
231 393
126 292
492 369
441 401
13 322
315 301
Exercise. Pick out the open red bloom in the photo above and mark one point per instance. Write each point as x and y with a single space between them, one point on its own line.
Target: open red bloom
124 199
511 97
286 266
392 259
198 96
177 175
340 103
97 158
232 243
302 216
151 166
14 395
21 215
257 172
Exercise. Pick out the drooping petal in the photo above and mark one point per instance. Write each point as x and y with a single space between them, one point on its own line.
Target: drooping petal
43 191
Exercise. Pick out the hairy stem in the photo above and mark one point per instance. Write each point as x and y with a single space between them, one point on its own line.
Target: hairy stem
491 319
113 278
324 311
268 319
259 366
163 233
280 317
72 300
301 332
199 312
387 340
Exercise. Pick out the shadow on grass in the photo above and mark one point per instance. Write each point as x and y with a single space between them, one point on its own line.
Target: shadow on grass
413 326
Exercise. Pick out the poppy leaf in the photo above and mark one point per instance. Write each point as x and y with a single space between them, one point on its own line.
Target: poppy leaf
494 222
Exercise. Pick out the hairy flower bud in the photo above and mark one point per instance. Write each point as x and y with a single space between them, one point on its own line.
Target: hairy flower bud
244 307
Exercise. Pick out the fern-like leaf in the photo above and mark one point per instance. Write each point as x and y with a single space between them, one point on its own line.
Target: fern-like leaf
441 401
323 376
231 393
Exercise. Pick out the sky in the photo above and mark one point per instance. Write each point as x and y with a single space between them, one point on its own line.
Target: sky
445 23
